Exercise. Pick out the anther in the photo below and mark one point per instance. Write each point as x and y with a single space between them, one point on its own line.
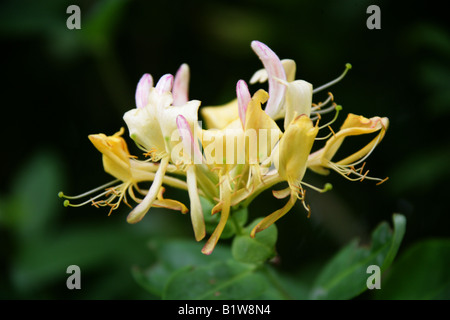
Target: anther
309 211
331 129
337 108
384 180
364 176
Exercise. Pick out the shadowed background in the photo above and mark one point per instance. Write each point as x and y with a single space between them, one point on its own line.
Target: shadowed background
60 85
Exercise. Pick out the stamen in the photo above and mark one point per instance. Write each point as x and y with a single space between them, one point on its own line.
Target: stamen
362 167
96 204
331 129
326 137
363 159
327 110
320 105
348 66
364 176
346 171
337 108
309 211
67 202
132 195
382 181
62 195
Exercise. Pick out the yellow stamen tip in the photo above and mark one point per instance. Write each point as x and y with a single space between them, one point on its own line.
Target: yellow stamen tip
338 107
66 203
61 194
348 66
328 187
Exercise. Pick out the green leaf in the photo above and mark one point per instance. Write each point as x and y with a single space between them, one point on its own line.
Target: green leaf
255 250
222 280
345 276
33 204
44 261
236 221
173 255
420 273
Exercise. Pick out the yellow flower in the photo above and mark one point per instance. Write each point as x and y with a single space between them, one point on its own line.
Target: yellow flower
218 117
128 172
153 123
322 160
290 159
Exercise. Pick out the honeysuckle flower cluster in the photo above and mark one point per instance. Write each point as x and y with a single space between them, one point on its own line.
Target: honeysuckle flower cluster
241 151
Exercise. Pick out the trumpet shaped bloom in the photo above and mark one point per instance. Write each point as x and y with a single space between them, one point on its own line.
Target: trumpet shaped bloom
128 172
322 160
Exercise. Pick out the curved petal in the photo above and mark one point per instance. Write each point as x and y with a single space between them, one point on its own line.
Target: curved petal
142 208
164 84
275 72
218 117
180 89
243 98
298 100
143 90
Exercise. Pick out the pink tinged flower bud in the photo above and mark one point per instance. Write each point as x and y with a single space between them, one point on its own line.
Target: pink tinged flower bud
180 90
164 84
143 90
243 98
275 72
190 145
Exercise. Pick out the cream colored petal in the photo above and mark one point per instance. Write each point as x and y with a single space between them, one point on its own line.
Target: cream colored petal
198 222
142 208
218 117
180 89
167 118
144 129
261 131
290 69
289 66
275 72
294 148
298 100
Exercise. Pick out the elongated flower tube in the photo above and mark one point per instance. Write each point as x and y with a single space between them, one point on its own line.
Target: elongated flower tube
225 204
194 155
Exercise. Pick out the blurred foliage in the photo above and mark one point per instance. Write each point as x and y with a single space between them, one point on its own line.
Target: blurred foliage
60 85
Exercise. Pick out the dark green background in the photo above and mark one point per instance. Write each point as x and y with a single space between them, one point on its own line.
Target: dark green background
60 85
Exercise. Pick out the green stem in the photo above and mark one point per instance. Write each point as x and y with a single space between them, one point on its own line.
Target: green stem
239 230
